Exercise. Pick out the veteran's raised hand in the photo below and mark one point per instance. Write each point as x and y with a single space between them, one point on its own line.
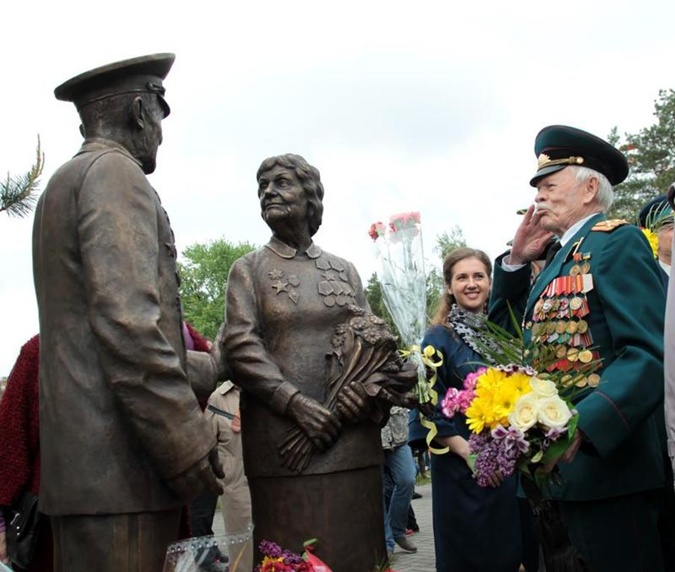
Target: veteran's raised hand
530 239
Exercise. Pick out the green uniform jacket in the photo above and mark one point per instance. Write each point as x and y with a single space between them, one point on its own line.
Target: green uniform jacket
619 418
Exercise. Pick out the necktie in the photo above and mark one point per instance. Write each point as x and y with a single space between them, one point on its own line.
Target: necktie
552 251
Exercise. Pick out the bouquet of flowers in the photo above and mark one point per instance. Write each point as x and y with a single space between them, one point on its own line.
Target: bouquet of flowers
517 419
276 559
403 281
519 408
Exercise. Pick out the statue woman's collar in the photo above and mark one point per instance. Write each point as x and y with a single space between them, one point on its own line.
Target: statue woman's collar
282 249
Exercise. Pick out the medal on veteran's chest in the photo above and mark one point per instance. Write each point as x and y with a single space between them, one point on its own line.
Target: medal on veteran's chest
558 321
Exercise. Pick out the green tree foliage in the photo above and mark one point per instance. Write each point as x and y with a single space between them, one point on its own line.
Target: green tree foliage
651 156
18 194
204 281
375 300
446 242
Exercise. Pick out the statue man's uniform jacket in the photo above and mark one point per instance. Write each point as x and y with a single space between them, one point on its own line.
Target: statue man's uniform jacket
117 415
282 311
609 269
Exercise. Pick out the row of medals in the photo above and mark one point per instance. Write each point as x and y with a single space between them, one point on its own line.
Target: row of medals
558 319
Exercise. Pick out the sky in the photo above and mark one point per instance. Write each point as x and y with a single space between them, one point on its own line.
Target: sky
402 106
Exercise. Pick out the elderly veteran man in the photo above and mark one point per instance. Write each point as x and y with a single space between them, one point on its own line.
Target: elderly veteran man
613 471
657 217
123 440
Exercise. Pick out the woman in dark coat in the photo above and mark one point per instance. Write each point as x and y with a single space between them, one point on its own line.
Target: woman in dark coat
475 528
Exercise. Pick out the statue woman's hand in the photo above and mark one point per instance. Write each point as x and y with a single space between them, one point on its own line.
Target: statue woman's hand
353 403
320 425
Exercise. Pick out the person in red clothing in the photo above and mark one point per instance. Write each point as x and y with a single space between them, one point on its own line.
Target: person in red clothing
20 447
20 442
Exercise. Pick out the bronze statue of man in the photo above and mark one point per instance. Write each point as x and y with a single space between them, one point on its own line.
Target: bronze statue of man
285 303
123 441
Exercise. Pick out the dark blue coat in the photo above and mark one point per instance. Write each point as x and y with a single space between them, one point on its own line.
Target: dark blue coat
475 528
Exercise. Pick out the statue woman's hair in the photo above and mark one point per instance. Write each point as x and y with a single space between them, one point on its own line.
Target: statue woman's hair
309 178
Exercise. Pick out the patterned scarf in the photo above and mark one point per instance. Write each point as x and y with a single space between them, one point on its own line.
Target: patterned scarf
472 328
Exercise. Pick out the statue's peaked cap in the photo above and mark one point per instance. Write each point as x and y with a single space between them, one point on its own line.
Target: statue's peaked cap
143 74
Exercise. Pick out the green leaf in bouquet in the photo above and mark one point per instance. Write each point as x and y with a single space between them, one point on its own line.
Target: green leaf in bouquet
472 462
556 449
572 426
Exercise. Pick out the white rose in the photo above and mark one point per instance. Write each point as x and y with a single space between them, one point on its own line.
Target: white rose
543 387
524 414
554 412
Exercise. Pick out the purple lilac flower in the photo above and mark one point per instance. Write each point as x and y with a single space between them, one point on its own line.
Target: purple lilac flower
271 549
492 455
291 557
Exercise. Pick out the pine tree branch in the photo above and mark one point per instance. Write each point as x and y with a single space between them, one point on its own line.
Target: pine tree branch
18 194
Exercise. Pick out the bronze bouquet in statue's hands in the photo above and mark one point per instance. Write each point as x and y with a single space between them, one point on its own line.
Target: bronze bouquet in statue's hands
366 375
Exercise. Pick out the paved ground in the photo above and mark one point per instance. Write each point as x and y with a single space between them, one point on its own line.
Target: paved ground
422 560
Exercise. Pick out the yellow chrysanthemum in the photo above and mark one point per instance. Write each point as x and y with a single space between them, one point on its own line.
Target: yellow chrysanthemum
477 415
653 240
496 395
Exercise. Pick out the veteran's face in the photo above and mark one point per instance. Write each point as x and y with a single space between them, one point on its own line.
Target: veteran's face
282 197
562 201
470 284
665 250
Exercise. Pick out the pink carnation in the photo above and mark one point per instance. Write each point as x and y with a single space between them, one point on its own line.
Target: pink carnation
404 220
377 229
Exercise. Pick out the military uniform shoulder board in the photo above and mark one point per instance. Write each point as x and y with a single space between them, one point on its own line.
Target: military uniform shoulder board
609 225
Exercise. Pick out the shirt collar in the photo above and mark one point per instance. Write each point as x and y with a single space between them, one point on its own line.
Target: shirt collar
571 231
666 267
282 249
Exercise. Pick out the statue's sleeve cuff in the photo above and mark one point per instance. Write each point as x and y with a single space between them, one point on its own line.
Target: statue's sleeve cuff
282 397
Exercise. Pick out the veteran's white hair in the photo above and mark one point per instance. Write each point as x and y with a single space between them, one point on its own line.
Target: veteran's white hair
605 196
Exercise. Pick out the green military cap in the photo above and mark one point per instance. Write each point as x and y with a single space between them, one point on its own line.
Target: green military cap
656 213
136 75
559 146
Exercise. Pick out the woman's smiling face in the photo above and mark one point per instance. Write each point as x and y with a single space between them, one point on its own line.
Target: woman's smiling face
470 284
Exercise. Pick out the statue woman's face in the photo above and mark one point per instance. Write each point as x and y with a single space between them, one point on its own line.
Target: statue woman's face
282 197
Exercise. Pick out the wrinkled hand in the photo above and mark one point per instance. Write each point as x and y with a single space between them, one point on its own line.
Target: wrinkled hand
199 478
319 424
3 548
567 456
530 239
217 354
353 403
